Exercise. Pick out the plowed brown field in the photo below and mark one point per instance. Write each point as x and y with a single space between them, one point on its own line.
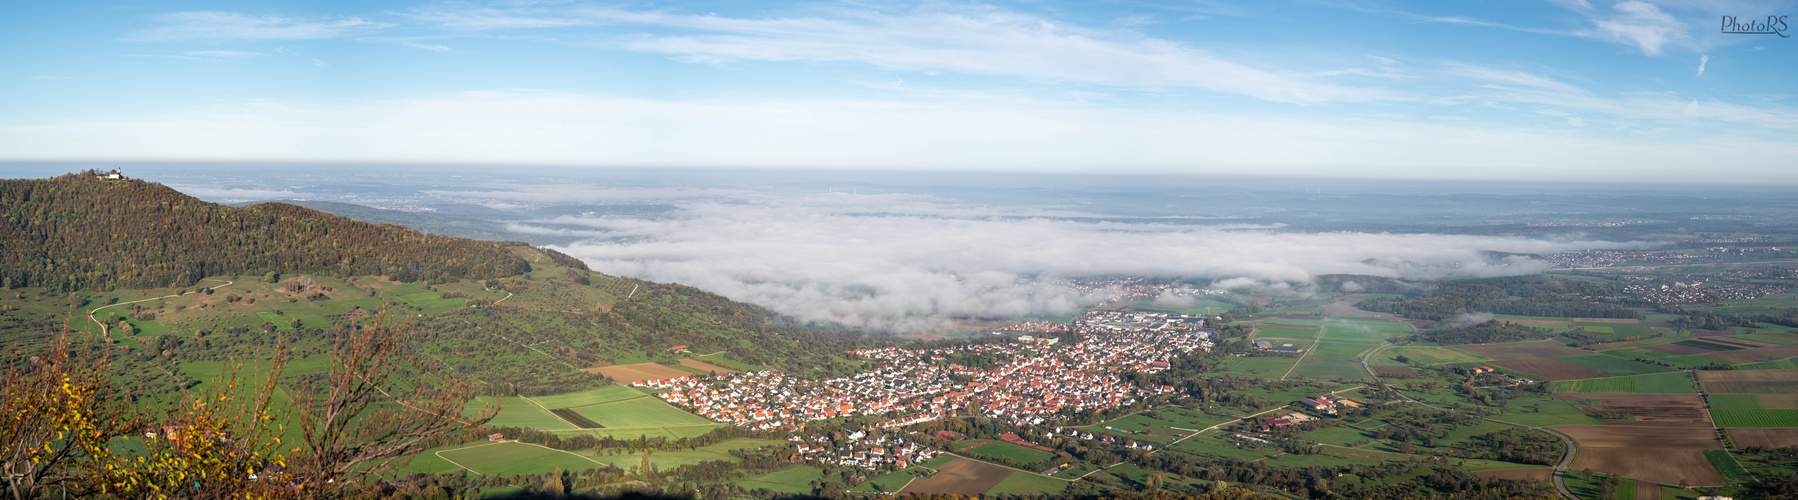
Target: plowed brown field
1394 371
1747 375
1770 437
625 374
1605 436
1661 466
1645 407
960 477
1756 355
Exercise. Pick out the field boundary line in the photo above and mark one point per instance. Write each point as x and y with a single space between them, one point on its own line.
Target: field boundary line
439 454
1321 331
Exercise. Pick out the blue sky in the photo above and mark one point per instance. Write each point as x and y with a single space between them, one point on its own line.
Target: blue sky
1561 90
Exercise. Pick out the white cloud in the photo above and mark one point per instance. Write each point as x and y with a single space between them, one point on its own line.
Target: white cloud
984 41
921 262
1641 24
224 54
1702 60
237 26
534 127
233 194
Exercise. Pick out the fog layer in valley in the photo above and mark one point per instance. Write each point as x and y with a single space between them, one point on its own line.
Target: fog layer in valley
908 262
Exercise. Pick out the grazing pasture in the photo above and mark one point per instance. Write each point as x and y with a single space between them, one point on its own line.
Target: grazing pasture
1661 466
1764 437
960 477
626 374
1549 369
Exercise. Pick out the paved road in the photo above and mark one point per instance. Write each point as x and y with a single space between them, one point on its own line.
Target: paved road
1560 468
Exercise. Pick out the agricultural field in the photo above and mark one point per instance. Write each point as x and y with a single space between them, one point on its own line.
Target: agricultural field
507 459
627 374
1363 331
1025 483
1772 382
1615 366
1755 418
995 449
1549 369
1728 467
1621 436
1260 366
1766 437
1661 466
1285 332
1424 355
516 412
960 477
1658 383
1535 349
1661 408
639 412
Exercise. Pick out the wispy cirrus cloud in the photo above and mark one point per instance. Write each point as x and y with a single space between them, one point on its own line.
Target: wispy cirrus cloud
975 40
212 25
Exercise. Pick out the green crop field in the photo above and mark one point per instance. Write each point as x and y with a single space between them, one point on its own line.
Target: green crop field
795 480
1025 483
1616 366
677 432
1001 449
509 459
1326 367
640 412
1296 322
1430 355
1783 364
1658 383
1363 331
1735 402
1261 366
1727 466
1285 332
607 394
1755 418
516 412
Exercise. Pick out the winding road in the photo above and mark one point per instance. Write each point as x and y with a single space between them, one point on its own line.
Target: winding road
104 331
1566 460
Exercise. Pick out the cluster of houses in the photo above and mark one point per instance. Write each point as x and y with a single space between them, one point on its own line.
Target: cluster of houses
1135 321
1036 380
868 451
1103 438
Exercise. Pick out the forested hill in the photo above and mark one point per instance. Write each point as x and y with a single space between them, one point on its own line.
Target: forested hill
79 232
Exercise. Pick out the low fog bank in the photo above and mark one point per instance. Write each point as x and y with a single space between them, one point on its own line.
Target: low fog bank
904 262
